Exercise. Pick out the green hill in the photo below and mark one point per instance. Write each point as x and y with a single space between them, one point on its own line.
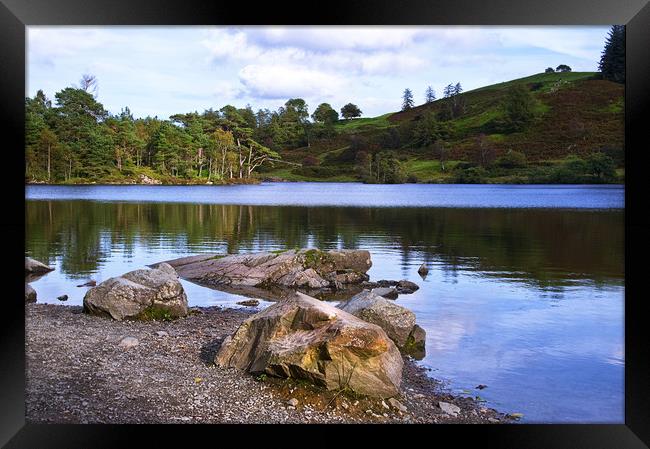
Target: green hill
578 119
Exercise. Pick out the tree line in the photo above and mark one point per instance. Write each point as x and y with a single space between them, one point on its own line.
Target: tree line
77 138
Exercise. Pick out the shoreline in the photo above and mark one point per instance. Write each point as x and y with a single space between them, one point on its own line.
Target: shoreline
186 184
76 372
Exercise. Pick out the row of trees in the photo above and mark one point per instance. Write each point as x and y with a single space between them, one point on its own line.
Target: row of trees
76 137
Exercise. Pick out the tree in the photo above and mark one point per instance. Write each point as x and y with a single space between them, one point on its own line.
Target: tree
458 89
520 107
428 129
430 95
449 90
350 111
612 60
484 150
563 68
325 114
407 99
440 151
89 84
549 70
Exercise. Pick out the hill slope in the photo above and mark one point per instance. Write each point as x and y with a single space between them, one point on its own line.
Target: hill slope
577 114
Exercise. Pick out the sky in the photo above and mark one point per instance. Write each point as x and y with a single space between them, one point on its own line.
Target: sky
161 70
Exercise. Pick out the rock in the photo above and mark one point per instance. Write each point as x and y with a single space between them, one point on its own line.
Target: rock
128 342
407 287
398 322
493 420
293 402
449 409
90 283
30 293
423 270
480 386
140 294
397 405
383 404
144 179
35 267
305 268
304 338
249 302
386 292
62 298
162 334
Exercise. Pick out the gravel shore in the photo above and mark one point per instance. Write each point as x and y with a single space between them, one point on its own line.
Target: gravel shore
80 369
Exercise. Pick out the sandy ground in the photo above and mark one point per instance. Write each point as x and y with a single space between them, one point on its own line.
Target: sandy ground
77 372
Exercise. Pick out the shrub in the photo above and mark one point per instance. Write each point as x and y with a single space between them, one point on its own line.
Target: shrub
512 159
472 175
310 161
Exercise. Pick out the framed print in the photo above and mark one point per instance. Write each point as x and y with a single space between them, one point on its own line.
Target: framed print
426 214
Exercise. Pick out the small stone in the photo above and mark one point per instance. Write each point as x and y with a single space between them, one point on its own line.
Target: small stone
493 420
293 402
480 386
90 283
62 298
383 404
249 303
407 287
162 334
449 409
423 270
418 396
345 405
397 405
129 342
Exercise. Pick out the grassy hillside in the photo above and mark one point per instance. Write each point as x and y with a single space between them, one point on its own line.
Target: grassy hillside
576 115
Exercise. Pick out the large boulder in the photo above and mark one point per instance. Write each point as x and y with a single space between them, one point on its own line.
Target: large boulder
35 267
306 268
304 338
398 322
30 293
140 294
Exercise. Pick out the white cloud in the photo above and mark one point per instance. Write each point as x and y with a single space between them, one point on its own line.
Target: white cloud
284 81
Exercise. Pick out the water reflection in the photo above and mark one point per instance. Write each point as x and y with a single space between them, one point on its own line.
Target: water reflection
547 248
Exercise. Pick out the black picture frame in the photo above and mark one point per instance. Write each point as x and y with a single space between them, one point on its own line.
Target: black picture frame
15 15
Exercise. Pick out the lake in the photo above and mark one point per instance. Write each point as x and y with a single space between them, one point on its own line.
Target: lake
525 292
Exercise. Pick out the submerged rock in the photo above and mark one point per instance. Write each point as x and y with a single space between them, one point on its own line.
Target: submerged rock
398 322
35 267
30 293
423 270
140 294
308 269
304 338
386 292
407 287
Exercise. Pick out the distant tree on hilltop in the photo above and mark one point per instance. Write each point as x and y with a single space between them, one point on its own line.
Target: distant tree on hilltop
407 99
563 68
350 111
612 60
430 95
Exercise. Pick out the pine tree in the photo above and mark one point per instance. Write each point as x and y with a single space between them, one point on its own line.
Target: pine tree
430 95
612 60
407 99
449 90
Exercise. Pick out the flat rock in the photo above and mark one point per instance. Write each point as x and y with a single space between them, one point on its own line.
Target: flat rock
30 293
449 409
35 267
304 338
249 303
308 269
140 294
397 405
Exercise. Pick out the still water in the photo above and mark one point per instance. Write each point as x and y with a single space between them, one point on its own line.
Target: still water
525 293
